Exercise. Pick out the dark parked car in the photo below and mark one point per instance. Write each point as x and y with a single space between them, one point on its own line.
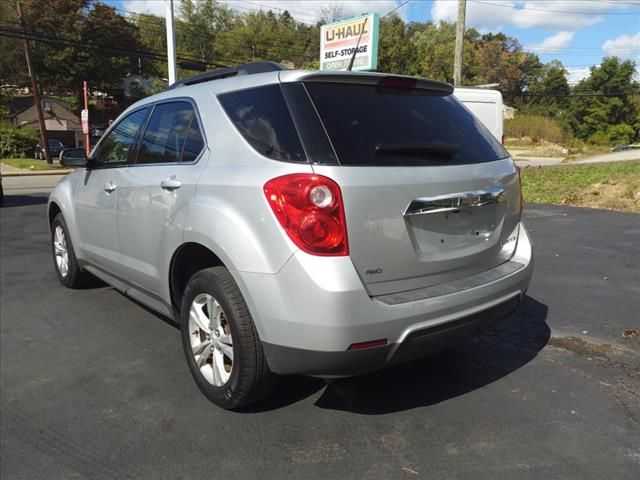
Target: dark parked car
623 148
55 147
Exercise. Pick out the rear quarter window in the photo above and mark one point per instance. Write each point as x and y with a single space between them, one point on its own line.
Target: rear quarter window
262 117
363 119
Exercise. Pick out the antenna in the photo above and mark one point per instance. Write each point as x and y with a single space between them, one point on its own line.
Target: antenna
353 57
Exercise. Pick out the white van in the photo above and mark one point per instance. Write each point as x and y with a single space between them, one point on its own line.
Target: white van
486 105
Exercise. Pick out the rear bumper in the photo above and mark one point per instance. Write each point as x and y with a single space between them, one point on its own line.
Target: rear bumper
310 312
417 345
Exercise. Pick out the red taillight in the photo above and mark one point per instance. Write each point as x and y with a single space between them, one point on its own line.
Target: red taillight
310 209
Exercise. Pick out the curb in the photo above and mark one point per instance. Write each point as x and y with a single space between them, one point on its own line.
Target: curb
36 173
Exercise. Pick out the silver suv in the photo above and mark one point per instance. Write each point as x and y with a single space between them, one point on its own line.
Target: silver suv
298 222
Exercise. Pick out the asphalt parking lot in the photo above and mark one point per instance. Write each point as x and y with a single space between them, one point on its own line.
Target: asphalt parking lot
95 386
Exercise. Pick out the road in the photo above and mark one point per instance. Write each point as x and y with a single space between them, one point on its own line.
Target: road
95 386
626 156
28 185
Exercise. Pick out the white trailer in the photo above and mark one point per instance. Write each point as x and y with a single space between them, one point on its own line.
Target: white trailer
486 105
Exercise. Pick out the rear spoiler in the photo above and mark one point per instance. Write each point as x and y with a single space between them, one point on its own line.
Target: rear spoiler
361 78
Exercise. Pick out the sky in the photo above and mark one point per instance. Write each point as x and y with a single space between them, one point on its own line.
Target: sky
579 33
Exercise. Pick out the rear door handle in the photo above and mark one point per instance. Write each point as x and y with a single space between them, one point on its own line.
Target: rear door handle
455 202
109 187
170 184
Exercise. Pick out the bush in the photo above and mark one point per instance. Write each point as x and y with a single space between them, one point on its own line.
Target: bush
536 127
599 138
620 134
16 142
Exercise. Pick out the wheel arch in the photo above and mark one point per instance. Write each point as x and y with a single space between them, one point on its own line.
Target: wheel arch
188 259
52 211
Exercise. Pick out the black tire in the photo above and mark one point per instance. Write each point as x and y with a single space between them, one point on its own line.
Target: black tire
250 378
74 277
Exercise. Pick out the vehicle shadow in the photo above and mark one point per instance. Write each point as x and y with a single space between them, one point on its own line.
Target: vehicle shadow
474 363
23 200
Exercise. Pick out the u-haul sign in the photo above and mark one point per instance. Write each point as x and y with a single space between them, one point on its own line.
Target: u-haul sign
338 42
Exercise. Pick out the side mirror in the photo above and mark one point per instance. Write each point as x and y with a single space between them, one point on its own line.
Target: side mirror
73 157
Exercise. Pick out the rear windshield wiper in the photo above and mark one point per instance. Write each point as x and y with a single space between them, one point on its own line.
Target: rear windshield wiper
440 149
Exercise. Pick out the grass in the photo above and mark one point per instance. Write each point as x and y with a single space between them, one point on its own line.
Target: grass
29 164
611 186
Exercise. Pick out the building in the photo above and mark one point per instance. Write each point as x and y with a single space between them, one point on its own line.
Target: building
61 123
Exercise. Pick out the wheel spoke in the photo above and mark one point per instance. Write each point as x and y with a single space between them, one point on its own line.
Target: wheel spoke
226 347
198 317
214 312
202 359
217 365
199 349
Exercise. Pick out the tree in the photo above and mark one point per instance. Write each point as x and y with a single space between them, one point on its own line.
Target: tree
201 32
602 108
151 36
81 40
12 62
395 51
548 93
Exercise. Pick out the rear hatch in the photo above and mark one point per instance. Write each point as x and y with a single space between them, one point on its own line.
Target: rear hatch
430 195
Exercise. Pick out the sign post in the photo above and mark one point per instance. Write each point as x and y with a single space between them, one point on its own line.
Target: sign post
338 42
84 118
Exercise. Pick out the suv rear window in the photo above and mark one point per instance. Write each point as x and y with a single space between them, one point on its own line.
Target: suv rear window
262 117
385 126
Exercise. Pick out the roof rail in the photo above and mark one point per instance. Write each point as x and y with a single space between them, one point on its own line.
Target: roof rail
242 69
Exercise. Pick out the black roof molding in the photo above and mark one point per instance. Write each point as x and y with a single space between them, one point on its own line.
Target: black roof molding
242 69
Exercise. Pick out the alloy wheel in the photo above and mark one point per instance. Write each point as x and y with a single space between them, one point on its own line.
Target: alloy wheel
61 251
211 340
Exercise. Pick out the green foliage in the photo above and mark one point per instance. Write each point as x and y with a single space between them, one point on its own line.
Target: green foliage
602 110
548 90
620 134
16 142
536 127
396 54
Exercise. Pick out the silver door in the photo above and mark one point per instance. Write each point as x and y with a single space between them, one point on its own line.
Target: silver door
95 200
97 192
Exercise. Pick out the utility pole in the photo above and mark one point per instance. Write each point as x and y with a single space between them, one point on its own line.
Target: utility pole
37 100
171 41
457 61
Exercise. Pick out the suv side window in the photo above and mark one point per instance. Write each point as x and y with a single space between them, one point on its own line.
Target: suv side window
194 142
262 117
119 144
172 135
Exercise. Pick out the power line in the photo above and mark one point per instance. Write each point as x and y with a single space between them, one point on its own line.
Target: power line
580 94
307 14
149 54
288 49
524 9
396 8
